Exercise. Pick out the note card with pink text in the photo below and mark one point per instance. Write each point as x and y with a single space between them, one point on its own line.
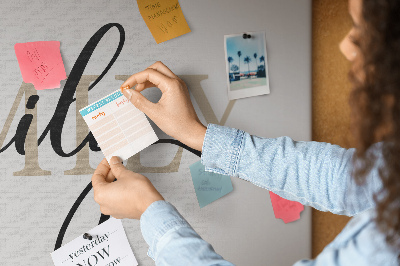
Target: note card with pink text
118 126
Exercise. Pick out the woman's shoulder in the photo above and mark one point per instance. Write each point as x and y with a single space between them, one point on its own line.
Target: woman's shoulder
366 242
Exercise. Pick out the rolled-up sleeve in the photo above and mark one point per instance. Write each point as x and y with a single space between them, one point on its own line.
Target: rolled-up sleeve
172 241
313 173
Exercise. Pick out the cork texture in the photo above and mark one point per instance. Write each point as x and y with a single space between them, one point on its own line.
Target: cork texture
330 99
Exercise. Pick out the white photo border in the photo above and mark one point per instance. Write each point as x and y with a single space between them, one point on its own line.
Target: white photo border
247 92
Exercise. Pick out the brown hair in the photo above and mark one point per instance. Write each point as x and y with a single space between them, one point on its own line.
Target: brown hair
375 102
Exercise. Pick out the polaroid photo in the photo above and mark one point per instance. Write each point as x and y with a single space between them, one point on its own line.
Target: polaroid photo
246 65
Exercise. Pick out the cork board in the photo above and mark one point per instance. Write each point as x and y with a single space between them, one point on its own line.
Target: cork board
330 97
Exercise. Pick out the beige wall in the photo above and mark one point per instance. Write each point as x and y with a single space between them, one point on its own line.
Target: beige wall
331 90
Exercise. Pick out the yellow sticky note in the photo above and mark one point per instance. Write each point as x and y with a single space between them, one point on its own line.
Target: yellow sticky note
164 18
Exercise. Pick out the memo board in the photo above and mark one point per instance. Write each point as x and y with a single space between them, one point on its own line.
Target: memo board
45 194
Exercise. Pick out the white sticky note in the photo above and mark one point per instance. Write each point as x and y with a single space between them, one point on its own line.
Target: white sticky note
118 126
109 246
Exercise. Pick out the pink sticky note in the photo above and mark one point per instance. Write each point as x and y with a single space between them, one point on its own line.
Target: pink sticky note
288 211
41 63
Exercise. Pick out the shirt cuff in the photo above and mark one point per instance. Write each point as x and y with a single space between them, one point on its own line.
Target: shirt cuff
158 219
222 148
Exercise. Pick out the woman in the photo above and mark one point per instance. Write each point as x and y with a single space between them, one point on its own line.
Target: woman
316 174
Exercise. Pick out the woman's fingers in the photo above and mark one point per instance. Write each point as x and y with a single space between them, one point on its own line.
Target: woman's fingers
142 86
141 102
157 66
174 111
117 167
159 80
100 174
110 177
150 77
160 67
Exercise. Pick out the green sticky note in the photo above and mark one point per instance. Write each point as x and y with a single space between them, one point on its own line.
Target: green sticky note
209 186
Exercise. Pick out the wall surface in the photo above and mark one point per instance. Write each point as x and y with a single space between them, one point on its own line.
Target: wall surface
331 88
41 187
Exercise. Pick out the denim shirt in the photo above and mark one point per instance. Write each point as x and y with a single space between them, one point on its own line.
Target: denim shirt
312 173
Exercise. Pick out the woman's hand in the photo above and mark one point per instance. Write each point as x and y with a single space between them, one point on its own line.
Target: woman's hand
174 113
128 197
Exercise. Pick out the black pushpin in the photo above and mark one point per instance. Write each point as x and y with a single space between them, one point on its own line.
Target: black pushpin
246 36
87 236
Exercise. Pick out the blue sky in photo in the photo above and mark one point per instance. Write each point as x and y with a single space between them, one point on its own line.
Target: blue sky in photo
256 44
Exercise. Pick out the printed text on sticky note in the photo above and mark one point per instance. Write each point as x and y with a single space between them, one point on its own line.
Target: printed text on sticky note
164 18
118 126
41 63
287 210
209 186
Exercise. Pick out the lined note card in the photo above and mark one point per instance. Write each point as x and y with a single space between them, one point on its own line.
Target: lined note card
118 126
164 18
41 63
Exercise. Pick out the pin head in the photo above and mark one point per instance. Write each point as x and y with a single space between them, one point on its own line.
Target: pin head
246 36
87 236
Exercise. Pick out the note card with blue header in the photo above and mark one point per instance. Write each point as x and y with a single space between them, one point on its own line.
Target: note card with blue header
118 126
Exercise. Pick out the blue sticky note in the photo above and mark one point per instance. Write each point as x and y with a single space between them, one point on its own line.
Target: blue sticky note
209 186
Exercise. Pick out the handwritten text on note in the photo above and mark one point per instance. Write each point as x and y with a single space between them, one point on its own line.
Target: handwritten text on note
209 186
287 210
41 63
164 19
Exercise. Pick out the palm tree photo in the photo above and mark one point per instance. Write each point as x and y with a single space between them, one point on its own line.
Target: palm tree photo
262 59
230 60
234 68
239 53
255 60
247 60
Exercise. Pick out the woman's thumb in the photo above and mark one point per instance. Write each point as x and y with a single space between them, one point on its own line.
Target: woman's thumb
116 166
138 100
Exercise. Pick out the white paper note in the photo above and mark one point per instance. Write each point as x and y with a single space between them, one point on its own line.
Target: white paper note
118 126
108 247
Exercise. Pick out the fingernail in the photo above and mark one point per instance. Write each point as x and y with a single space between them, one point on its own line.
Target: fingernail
127 93
115 160
125 88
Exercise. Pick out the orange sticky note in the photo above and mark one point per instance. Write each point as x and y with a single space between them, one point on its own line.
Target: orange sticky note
41 63
164 18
